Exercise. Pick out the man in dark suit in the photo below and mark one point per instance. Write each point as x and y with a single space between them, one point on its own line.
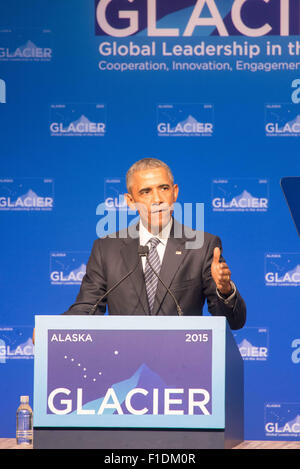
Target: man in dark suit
192 274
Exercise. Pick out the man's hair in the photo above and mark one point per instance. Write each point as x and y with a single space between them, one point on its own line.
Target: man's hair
143 164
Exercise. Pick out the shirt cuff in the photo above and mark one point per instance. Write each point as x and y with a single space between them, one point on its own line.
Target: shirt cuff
229 299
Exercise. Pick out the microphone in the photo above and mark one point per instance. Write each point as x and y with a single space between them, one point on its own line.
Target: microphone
142 251
179 310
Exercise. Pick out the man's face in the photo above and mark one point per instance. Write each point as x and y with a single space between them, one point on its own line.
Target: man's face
152 194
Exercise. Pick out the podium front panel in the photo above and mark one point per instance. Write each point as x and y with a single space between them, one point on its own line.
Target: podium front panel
130 372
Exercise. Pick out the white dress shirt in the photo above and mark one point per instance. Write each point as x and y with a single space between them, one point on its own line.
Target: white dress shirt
163 236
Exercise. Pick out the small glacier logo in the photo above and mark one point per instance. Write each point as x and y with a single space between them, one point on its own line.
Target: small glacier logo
240 195
282 269
80 120
16 343
282 420
185 120
253 343
282 120
67 268
19 45
26 194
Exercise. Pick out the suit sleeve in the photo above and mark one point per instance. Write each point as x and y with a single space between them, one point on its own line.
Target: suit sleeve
236 313
93 285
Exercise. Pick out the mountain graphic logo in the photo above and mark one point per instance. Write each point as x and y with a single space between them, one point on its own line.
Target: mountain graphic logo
225 200
73 277
29 195
191 126
293 124
28 51
28 201
249 351
67 268
79 127
82 120
293 425
25 350
244 195
185 120
114 402
282 420
293 273
282 269
282 120
29 45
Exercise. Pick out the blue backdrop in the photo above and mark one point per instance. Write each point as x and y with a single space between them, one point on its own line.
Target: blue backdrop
210 87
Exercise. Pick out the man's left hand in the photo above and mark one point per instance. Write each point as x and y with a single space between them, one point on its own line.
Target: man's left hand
220 273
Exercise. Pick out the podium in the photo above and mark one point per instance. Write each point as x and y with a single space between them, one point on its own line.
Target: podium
137 382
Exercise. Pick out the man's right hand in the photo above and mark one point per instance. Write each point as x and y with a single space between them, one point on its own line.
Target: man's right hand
33 336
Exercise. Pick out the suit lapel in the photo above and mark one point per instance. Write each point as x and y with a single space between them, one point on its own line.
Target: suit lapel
130 255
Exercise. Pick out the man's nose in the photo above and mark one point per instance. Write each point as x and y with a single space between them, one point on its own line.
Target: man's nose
156 197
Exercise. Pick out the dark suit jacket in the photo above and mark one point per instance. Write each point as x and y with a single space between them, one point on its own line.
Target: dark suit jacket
185 271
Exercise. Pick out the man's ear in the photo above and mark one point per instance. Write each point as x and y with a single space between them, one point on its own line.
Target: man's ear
176 190
130 201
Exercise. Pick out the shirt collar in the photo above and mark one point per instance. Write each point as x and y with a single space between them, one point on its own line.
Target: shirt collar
163 236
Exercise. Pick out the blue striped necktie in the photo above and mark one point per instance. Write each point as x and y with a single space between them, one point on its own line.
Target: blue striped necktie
150 277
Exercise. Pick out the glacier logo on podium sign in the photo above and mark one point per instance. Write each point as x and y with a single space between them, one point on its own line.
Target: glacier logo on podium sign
240 195
78 120
282 269
282 120
26 194
67 268
282 420
16 343
185 120
131 374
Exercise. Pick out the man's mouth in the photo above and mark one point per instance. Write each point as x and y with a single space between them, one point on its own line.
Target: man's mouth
160 209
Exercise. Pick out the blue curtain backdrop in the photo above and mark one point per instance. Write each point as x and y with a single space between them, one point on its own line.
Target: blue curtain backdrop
209 87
